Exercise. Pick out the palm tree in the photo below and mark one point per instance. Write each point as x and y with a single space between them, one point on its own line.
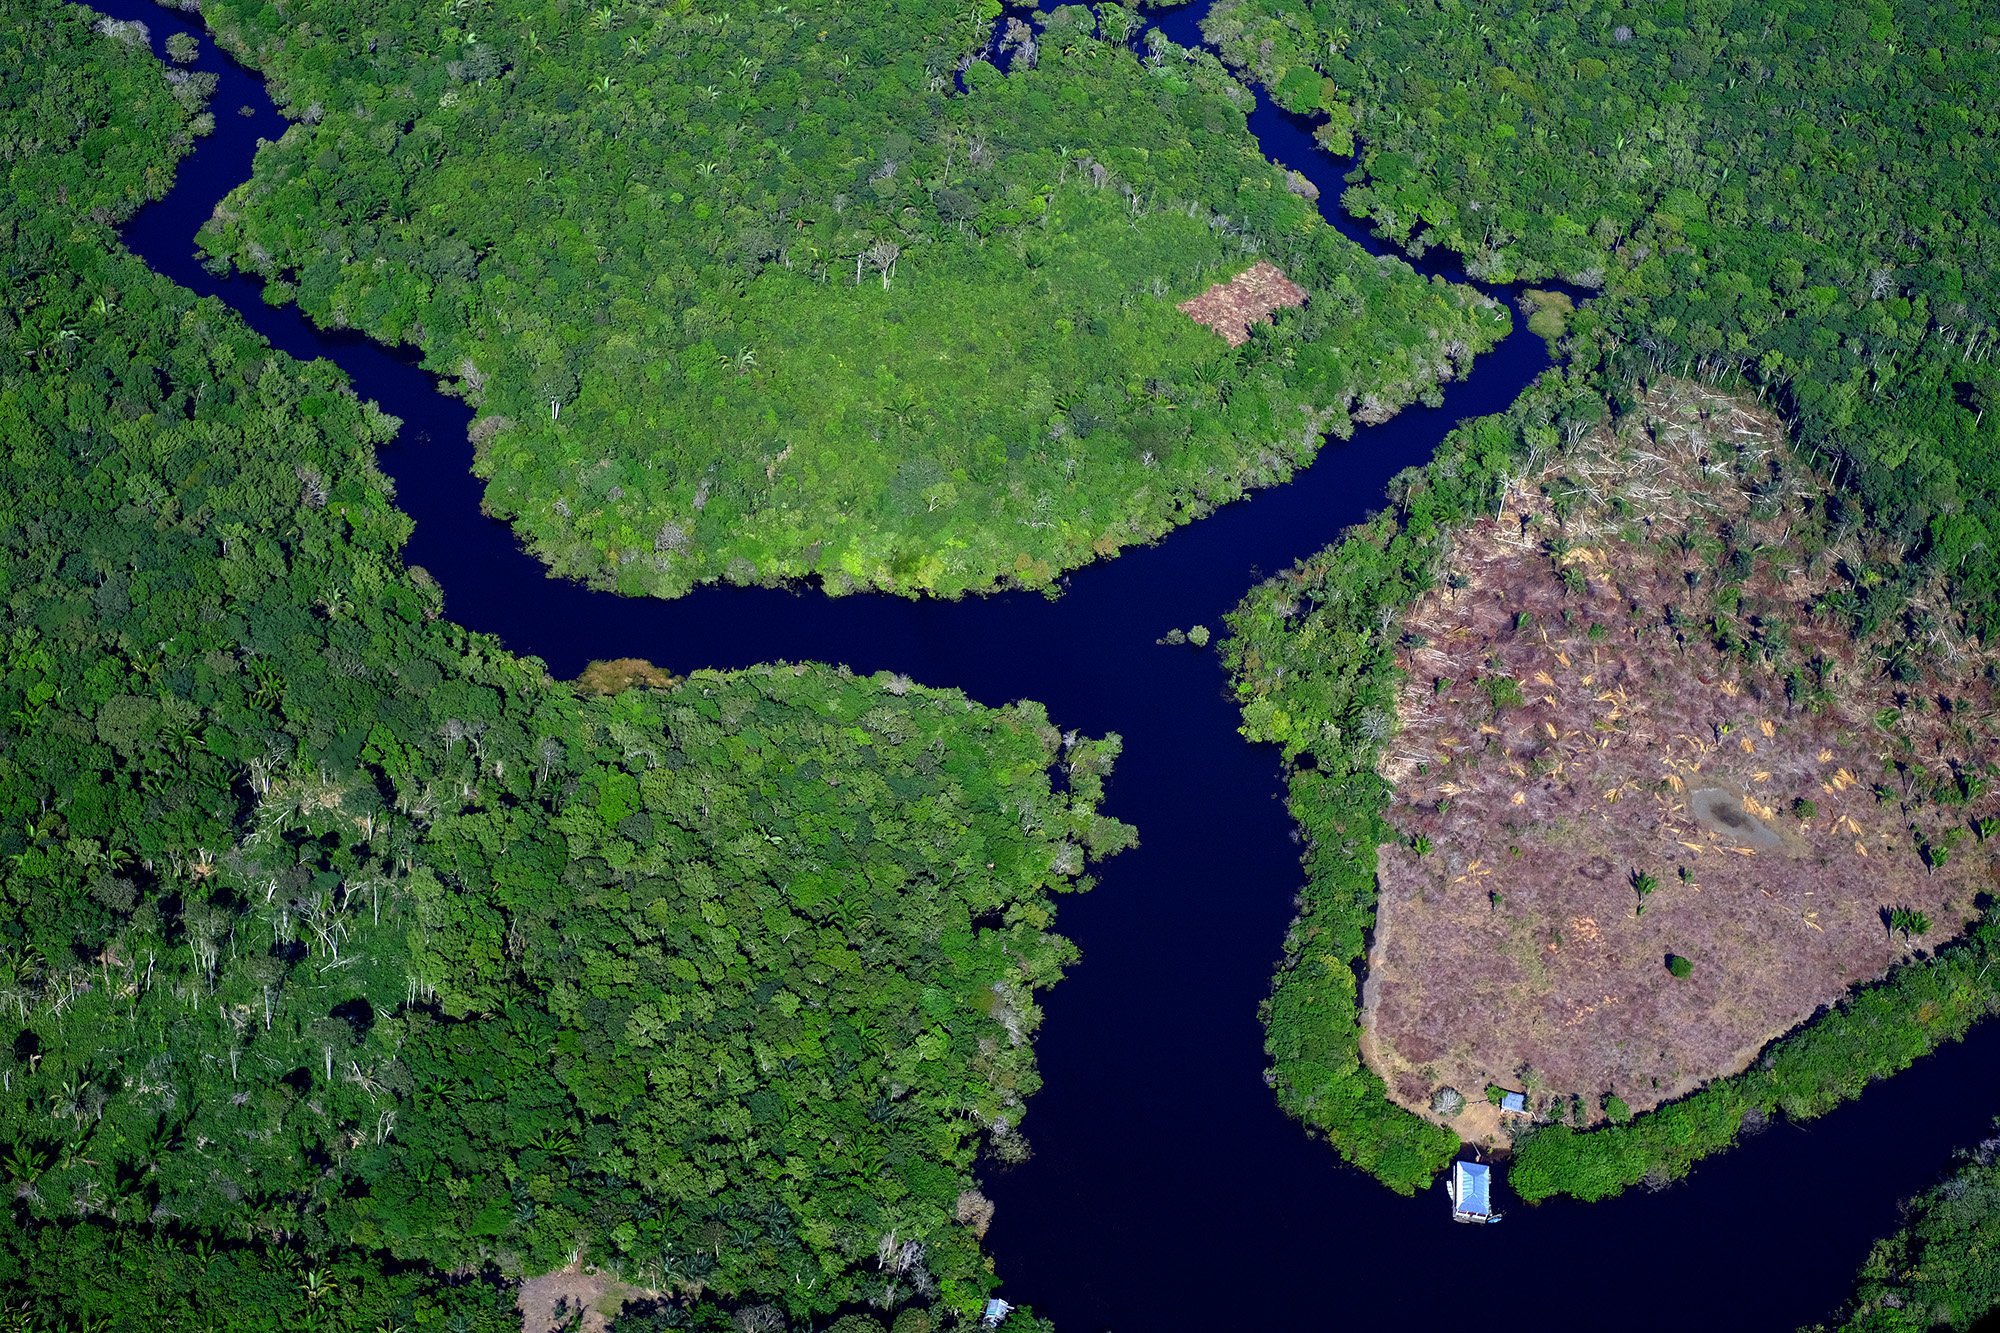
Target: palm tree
317 1286
26 1161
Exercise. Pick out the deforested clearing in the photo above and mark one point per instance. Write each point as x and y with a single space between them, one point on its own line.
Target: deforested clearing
1645 717
574 1297
1251 297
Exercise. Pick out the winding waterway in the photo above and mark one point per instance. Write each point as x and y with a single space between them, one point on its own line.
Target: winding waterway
1167 1192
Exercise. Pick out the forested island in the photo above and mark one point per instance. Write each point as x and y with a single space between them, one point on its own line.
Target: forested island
1941 1269
761 294
352 967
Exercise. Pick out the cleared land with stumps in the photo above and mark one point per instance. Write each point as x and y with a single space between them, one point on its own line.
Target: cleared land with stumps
1636 726
1251 297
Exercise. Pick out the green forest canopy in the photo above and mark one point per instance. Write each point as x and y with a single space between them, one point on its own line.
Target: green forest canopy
349 964
1800 191
802 307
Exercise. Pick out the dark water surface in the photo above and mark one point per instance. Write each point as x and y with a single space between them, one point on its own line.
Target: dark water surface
1167 1192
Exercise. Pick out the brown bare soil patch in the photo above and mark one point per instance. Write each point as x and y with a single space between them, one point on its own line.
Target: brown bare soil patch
1251 297
549 1302
621 674
1638 668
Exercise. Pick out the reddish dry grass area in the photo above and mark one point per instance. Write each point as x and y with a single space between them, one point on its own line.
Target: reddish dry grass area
1514 951
1251 297
621 674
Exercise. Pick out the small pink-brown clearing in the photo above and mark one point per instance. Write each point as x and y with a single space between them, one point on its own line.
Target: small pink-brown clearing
549 1302
1774 797
1251 297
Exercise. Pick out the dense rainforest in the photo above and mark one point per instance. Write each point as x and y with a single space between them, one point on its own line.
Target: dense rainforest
1798 192
1312 652
351 967
816 289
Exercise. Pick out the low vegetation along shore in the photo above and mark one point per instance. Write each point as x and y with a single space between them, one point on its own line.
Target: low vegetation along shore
1652 749
1941 1268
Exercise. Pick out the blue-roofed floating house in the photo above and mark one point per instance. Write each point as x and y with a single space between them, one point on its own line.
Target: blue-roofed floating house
996 1313
1472 1192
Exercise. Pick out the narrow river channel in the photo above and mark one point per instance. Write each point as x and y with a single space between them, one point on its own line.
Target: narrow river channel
1167 1192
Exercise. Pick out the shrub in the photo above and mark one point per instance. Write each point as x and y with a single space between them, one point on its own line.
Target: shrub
1678 965
854 1323
1643 884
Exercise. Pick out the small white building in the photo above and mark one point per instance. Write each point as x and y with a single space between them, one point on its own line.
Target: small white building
997 1310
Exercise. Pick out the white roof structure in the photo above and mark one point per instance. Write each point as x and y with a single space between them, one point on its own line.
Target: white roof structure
1472 1192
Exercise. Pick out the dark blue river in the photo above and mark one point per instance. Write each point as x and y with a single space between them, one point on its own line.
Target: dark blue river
1167 1192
